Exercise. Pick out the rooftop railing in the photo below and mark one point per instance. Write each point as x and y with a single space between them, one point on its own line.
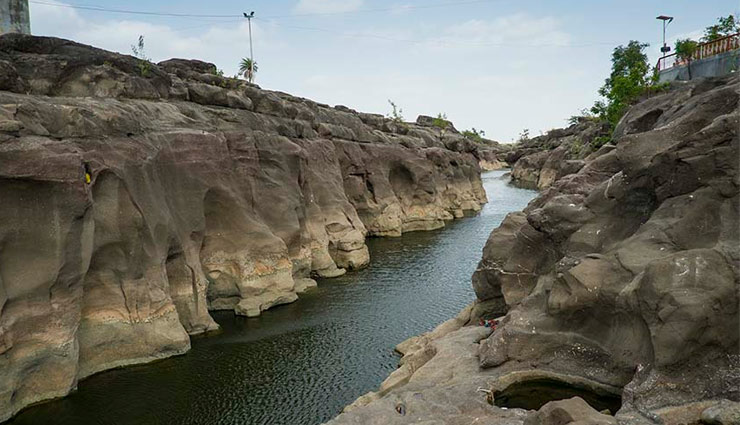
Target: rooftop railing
703 51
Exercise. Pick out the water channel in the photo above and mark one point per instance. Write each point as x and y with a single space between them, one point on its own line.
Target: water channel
301 363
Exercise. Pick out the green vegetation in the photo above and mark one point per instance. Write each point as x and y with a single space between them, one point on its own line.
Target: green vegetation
584 115
725 26
144 63
685 51
474 135
524 135
630 78
224 82
600 141
396 113
248 68
441 123
577 148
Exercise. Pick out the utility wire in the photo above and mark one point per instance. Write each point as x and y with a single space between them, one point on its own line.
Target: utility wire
132 12
194 15
356 35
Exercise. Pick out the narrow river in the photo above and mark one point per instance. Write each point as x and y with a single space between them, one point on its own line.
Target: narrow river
301 363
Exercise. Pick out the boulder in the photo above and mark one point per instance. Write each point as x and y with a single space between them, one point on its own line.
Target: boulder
725 412
573 411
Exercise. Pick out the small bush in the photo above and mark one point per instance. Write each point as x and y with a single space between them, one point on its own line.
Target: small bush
144 64
577 148
524 135
474 135
600 141
441 121
396 112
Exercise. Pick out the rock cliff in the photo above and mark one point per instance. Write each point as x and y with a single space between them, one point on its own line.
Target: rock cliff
618 286
539 161
135 198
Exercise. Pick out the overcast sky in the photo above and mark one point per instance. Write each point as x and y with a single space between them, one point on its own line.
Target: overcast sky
495 65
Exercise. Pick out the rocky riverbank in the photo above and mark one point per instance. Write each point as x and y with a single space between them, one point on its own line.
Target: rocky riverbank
540 161
618 285
138 197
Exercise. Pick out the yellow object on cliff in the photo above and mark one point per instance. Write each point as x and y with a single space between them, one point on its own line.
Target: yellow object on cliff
87 178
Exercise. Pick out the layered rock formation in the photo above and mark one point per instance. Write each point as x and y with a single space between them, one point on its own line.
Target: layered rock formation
540 161
490 153
136 197
619 285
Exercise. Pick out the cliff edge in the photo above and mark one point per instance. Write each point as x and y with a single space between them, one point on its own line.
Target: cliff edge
135 198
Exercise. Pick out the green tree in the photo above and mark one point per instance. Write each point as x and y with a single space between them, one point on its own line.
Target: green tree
685 51
725 26
248 68
629 79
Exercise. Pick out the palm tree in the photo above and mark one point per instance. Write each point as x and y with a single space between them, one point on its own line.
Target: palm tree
248 68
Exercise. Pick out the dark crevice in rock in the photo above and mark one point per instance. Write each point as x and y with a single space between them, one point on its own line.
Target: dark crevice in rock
535 393
646 122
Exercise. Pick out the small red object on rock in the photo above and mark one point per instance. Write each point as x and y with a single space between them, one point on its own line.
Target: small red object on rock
489 323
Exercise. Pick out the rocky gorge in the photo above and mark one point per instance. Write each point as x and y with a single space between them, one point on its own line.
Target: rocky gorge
138 197
616 289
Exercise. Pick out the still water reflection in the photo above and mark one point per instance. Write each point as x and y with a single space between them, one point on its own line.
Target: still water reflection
301 363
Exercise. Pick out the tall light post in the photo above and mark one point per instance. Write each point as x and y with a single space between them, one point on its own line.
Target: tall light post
251 51
666 20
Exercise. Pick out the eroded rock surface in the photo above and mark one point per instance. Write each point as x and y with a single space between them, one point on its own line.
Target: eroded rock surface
439 382
619 285
540 161
136 197
626 273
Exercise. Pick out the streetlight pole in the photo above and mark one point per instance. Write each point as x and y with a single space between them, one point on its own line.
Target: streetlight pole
666 20
665 48
251 50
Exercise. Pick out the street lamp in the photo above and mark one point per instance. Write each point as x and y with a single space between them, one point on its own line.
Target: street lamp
251 51
666 20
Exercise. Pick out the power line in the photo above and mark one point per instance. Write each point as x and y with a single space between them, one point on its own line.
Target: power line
194 15
131 12
355 35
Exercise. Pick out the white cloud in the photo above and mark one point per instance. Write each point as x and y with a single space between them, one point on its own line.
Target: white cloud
465 69
222 43
327 6
54 20
516 30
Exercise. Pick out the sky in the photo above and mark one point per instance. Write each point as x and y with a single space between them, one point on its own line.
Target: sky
497 65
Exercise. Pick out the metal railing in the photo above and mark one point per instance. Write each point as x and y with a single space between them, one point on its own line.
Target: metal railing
703 50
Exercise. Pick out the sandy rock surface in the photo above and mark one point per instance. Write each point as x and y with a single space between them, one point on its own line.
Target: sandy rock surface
137 197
